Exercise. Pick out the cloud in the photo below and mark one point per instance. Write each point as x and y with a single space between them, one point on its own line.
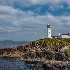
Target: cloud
22 4
16 17
26 24
8 30
45 1
19 17
35 6
8 10
2 38
33 2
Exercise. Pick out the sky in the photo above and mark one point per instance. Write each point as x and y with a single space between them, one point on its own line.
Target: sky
26 20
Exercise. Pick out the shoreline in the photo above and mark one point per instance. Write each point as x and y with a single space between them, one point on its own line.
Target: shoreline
52 52
41 60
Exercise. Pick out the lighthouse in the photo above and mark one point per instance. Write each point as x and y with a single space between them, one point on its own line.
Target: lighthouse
48 31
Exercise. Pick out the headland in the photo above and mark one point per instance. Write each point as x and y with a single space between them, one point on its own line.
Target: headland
50 51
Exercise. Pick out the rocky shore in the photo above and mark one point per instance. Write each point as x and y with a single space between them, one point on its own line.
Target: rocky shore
44 50
10 52
54 66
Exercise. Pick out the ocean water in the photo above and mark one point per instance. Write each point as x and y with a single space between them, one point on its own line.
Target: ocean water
5 44
9 45
16 64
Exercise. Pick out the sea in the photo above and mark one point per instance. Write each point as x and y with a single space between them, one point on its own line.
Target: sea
17 64
7 63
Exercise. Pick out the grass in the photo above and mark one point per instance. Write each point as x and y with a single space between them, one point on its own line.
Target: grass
48 43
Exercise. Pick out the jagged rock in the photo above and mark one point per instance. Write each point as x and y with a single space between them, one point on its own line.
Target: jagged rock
35 49
54 66
59 56
38 68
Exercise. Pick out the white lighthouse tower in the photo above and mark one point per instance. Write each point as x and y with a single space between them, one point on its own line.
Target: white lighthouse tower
48 31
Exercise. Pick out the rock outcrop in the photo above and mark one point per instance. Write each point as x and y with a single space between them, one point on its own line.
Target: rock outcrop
37 50
41 51
54 66
10 52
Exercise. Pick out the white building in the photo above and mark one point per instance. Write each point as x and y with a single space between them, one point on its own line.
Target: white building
49 31
65 36
59 35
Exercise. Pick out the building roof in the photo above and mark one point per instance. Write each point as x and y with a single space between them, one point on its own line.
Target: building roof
54 36
66 34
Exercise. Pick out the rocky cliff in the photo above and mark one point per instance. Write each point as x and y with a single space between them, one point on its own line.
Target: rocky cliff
43 50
